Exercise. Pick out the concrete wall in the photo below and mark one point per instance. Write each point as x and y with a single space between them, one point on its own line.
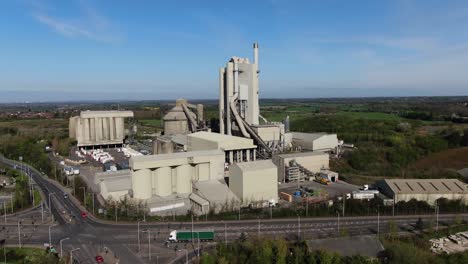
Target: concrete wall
254 184
431 198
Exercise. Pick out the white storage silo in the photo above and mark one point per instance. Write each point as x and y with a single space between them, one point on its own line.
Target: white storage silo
162 181
141 181
184 178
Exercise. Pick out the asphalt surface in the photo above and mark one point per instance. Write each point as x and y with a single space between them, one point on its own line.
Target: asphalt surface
92 235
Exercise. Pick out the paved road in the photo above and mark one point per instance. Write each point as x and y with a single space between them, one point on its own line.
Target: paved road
92 235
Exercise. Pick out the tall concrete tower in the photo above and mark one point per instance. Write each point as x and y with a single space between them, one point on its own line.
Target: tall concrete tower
238 94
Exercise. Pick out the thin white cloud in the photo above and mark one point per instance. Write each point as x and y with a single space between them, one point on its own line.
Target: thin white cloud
90 24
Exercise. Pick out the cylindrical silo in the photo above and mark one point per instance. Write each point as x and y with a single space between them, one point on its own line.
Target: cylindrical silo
141 182
163 181
184 177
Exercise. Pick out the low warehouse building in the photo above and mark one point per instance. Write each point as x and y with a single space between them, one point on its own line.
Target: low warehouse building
313 162
166 174
315 141
236 149
428 190
254 181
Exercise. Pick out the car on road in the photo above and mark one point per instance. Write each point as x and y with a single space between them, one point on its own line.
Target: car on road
99 259
65 195
84 214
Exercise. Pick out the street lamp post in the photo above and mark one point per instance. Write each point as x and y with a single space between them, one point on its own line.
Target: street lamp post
149 243
139 245
60 242
71 254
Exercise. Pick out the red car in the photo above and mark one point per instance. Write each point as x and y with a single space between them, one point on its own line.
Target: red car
84 215
99 259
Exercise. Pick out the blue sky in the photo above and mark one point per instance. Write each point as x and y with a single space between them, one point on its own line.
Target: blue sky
115 49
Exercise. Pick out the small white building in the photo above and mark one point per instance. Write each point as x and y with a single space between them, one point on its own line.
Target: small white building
254 181
315 141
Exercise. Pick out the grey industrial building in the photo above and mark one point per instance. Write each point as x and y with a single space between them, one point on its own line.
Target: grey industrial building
428 190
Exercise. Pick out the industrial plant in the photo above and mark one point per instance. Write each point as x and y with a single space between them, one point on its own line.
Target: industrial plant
244 160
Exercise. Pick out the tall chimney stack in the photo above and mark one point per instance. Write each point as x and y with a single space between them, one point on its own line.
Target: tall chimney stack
255 47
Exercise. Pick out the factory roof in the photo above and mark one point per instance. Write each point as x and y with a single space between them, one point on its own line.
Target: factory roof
173 159
309 136
426 186
224 142
101 176
256 165
302 154
110 113
180 139
215 192
118 184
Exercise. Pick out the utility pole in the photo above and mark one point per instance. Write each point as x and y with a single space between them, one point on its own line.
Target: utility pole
42 211
437 216
225 233
139 247
239 211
